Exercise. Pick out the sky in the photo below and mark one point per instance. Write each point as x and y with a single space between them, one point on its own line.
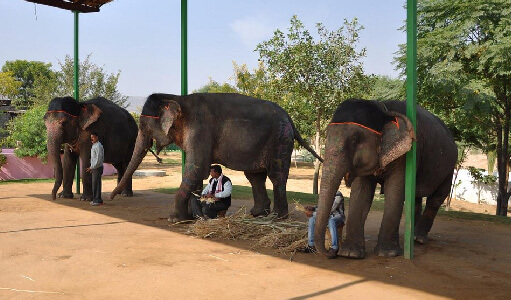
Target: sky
141 39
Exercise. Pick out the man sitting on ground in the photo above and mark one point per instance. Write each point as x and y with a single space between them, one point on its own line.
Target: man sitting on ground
337 218
216 196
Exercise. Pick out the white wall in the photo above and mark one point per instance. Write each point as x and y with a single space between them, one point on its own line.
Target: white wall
475 192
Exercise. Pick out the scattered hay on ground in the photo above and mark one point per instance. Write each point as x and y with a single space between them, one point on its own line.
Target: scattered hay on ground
265 232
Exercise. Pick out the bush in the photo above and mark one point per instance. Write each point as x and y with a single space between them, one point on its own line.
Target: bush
3 159
27 133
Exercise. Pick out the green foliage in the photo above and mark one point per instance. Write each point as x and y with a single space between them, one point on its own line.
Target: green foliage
3 159
304 72
93 81
463 65
385 88
9 86
136 117
28 134
214 87
34 83
464 73
479 178
31 74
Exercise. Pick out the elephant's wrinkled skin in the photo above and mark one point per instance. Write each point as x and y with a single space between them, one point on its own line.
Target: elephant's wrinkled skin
239 132
366 143
70 122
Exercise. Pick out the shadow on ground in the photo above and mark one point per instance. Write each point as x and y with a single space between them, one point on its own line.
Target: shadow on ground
463 259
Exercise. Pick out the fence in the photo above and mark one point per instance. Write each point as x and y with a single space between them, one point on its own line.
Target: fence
32 167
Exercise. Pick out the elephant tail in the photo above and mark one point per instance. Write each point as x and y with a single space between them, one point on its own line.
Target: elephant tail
302 142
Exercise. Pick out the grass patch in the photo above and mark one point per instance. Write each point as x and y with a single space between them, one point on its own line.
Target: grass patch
30 180
465 215
171 161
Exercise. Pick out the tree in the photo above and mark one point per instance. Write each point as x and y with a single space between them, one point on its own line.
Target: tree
385 88
28 132
464 74
93 81
8 84
313 76
29 73
214 87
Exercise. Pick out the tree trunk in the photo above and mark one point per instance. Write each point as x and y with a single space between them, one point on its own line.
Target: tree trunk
502 163
317 146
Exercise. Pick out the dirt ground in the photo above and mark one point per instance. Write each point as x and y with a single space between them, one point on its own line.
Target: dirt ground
126 249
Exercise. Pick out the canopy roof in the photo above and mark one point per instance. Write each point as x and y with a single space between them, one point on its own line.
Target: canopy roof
84 6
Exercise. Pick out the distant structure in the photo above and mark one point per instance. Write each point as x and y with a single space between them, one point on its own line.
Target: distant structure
7 113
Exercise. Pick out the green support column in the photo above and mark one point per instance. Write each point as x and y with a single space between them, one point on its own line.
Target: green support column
76 89
184 63
411 113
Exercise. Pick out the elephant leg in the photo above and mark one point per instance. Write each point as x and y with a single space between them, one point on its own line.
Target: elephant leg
280 205
261 200
68 169
192 178
388 238
361 198
433 203
86 179
418 209
128 189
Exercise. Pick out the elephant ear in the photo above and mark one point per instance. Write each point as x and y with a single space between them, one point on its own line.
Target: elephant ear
397 137
89 114
168 115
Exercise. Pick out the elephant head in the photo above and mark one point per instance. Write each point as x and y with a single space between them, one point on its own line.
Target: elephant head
161 120
362 139
64 121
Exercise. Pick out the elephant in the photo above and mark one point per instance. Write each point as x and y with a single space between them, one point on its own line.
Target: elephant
240 132
70 122
366 144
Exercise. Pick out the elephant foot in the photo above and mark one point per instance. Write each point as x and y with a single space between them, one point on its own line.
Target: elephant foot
127 194
388 251
351 251
175 218
281 213
86 197
259 211
421 236
67 195
421 239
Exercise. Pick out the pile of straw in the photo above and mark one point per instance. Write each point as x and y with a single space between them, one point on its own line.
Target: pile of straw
266 232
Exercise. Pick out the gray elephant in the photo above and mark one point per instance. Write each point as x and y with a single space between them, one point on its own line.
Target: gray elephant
237 131
70 122
366 143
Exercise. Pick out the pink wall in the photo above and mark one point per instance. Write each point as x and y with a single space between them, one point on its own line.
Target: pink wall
32 167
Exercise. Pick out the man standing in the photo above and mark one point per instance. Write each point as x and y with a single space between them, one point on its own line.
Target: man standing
96 168
216 195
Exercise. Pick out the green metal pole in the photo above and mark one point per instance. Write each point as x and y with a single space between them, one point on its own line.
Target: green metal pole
76 89
411 113
184 63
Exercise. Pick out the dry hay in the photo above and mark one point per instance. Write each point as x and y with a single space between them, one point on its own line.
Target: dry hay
264 232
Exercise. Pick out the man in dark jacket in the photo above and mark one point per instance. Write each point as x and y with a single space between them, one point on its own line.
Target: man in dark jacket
216 196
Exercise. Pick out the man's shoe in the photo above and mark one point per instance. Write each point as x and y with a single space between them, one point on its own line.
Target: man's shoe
96 203
307 249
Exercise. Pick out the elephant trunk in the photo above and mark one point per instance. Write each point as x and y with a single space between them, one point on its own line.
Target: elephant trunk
142 145
53 145
332 175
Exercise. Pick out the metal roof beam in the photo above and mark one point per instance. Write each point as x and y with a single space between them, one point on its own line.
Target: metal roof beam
67 5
